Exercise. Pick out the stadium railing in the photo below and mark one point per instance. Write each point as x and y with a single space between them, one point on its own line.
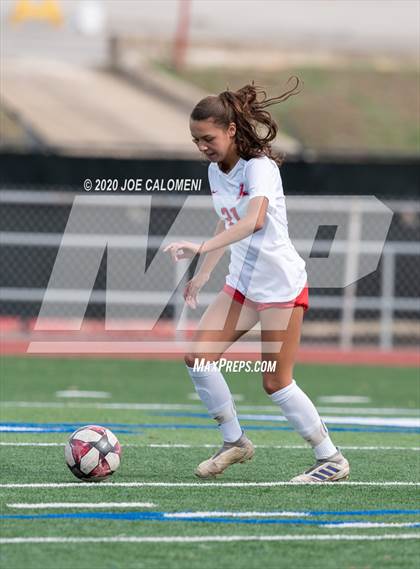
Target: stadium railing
380 309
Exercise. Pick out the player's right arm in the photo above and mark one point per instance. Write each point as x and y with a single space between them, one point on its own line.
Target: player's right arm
210 261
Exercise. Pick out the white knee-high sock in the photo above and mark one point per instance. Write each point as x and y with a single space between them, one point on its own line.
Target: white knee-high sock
303 416
214 392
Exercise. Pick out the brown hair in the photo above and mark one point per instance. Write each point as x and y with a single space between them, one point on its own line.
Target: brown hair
245 108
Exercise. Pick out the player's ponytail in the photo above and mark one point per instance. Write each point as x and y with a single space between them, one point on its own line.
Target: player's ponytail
255 128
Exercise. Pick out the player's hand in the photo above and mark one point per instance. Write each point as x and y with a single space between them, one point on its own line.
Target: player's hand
183 250
193 287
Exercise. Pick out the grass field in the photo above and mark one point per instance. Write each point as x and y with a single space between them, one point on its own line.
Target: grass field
344 109
250 517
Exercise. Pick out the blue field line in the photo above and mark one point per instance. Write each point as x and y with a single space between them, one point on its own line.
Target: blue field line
11 423
361 512
129 429
274 418
163 517
34 428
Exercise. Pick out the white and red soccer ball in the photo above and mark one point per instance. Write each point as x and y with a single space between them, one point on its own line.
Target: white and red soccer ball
93 453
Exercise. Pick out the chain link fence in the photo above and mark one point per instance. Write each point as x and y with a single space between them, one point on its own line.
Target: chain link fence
109 243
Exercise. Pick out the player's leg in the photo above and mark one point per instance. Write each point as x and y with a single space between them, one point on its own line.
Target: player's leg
224 321
283 325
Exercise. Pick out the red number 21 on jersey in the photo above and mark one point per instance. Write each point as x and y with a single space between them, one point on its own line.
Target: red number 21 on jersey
228 213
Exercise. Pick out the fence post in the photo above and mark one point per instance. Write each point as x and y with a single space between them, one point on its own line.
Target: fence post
351 269
387 297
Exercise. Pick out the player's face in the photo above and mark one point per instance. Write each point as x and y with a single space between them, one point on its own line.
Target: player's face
214 141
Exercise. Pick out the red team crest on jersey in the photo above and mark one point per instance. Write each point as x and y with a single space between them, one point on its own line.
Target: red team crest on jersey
242 192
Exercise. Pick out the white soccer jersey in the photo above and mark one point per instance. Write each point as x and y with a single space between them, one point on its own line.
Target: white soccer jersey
265 266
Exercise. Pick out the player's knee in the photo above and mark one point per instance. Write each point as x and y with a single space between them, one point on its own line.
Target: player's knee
189 359
274 382
195 358
270 386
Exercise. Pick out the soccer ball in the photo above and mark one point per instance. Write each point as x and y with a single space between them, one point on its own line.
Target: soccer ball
93 453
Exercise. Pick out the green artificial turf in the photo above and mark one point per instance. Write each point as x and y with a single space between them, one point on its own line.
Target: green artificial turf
28 394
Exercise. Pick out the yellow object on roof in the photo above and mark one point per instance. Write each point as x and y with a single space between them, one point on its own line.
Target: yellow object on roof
47 10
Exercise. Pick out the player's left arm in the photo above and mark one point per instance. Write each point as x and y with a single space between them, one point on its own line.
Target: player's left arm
253 221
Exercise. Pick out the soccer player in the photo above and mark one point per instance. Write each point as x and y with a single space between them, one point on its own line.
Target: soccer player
267 281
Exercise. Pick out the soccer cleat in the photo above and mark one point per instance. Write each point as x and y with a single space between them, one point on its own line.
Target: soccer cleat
230 453
332 469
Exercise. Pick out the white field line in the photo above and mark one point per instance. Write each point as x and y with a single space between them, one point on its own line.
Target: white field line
73 393
209 538
195 397
370 410
199 485
109 406
295 447
64 505
31 444
187 446
367 525
191 407
401 422
343 399
16 429
343 420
